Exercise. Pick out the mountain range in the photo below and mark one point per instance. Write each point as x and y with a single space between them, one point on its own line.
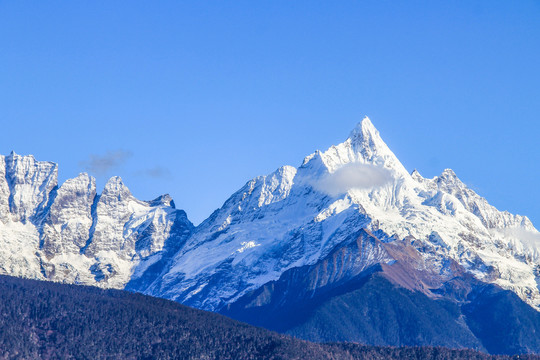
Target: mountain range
349 246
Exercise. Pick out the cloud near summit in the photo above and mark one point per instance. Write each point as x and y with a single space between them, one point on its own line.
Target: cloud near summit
102 164
353 176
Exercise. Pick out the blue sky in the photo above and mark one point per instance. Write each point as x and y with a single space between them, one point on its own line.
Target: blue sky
195 98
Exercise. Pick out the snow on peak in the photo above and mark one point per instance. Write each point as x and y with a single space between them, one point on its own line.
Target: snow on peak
26 185
417 176
364 145
14 155
366 139
115 181
293 217
449 180
115 187
449 174
364 130
163 200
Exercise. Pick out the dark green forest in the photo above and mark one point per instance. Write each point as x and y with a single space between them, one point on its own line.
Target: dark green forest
45 320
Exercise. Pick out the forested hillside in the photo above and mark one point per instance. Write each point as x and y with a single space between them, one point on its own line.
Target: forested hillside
45 320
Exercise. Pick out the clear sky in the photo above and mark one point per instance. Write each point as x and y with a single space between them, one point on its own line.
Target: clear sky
194 98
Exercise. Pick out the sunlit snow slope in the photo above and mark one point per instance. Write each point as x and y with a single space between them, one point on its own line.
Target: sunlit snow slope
298 216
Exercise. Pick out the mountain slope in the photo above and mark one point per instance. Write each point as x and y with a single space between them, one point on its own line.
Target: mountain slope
295 217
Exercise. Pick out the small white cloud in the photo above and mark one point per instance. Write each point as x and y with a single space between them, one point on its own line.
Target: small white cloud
353 176
102 164
529 239
157 172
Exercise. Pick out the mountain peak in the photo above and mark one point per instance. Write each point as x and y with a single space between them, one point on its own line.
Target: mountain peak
449 180
416 176
14 156
364 129
115 187
448 175
114 181
366 139
363 145
163 200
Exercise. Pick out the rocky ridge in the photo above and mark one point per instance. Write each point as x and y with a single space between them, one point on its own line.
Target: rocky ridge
70 233
291 218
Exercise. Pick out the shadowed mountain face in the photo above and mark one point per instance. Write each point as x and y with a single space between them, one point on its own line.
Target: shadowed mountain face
505 324
43 320
400 303
373 310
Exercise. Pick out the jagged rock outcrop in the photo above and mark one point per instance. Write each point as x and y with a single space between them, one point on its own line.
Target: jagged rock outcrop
73 234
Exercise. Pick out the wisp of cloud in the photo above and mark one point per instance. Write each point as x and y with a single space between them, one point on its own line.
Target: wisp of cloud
529 239
353 176
102 164
157 172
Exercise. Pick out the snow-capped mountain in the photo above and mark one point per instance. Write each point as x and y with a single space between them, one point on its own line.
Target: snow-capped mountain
291 218
348 246
296 217
70 233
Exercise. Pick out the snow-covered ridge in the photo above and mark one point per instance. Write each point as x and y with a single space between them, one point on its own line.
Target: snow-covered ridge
290 218
285 220
70 233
